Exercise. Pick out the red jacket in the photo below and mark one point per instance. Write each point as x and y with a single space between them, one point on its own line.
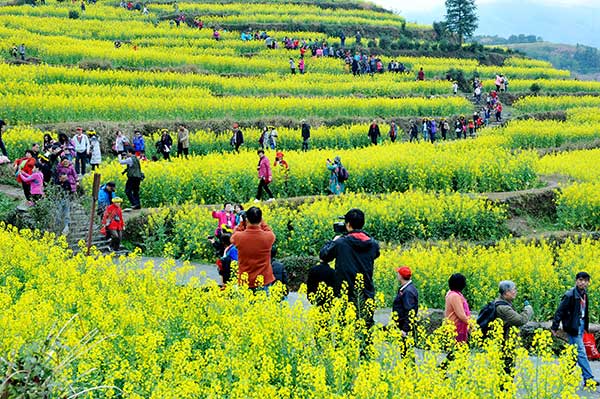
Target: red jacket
254 244
28 165
113 218
264 170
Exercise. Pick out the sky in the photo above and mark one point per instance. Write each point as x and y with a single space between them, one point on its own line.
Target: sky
559 21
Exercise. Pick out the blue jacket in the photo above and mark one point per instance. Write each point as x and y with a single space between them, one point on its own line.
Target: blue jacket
104 197
139 144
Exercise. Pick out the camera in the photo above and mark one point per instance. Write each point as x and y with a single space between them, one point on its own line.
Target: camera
243 215
340 227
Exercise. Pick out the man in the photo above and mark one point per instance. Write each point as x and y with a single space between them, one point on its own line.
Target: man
22 51
82 148
254 240
374 132
305 135
354 252
573 313
183 141
265 176
511 318
407 299
134 177
112 223
105 196
238 137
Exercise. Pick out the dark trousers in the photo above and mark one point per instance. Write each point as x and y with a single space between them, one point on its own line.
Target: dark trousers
165 155
132 190
26 190
115 238
181 150
263 186
80 161
305 145
3 148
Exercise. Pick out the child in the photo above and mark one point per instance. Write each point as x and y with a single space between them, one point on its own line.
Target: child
36 183
112 223
230 253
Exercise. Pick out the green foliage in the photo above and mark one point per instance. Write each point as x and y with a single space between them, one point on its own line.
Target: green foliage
461 18
73 14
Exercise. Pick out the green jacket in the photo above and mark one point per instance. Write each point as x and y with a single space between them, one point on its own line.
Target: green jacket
134 170
511 317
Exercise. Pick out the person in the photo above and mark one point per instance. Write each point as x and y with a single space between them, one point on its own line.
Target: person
64 203
22 51
25 164
279 271
499 112
139 144
354 253
336 185
164 144
272 137
240 214
457 309
445 127
121 142
342 39
305 134
455 88
237 139
95 152
264 175
432 130
505 310
183 141
81 144
35 181
301 65
225 217
574 315
414 131
498 82
254 239
113 224
406 303
321 275
2 146
134 178
292 66
374 132
358 38
105 195
230 254
393 133
279 161
421 75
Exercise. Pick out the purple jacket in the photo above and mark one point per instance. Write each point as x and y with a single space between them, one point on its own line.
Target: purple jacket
264 170
71 174
36 182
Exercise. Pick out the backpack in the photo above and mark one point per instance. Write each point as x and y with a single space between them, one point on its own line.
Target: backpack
488 314
342 174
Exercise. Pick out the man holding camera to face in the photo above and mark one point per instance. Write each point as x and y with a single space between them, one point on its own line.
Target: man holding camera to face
354 252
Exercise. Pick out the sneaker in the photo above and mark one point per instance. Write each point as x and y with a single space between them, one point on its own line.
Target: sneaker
271 200
136 207
256 201
127 210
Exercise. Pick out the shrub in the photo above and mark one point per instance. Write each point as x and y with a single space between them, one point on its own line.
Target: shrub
73 14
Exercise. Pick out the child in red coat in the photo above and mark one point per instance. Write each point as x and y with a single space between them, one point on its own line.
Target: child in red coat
112 223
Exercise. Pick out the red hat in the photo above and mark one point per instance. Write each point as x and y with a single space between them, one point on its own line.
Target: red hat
404 272
79 129
279 154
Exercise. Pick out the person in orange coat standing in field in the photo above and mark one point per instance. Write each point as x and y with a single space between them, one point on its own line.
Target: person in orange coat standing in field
112 223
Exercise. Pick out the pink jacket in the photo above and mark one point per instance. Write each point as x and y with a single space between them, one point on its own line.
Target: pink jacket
224 218
264 170
36 182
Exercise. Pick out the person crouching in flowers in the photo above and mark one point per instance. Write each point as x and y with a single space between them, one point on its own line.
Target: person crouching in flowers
112 223
457 308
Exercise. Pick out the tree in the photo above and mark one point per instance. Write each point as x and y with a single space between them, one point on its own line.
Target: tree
461 18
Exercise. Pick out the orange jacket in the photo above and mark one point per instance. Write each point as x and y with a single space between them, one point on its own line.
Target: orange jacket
254 244
113 218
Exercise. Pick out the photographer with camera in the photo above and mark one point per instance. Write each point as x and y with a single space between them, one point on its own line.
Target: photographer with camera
254 240
354 252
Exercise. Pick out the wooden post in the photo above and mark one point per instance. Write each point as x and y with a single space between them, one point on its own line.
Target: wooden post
95 190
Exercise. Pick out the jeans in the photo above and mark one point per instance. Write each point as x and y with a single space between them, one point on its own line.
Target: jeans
80 161
582 359
263 186
64 211
132 190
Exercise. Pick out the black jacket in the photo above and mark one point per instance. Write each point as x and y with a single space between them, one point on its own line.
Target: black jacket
354 253
322 273
305 131
569 312
406 300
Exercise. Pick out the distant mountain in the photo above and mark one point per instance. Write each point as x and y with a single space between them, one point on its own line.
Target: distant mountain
569 24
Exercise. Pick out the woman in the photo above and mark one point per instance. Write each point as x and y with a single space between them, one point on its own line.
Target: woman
457 308
121 143
36 182
335 185
26 165
165 143
48 142
95 153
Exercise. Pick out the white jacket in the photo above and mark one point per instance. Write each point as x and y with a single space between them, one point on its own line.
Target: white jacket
81 143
